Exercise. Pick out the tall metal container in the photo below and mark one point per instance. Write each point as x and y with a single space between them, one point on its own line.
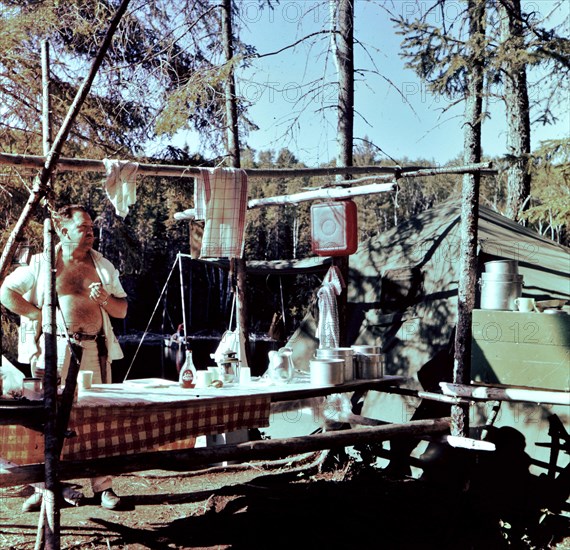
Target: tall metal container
501 285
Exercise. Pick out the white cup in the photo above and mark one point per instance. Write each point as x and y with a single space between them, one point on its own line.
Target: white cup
85 379
244 375
203 378
525 304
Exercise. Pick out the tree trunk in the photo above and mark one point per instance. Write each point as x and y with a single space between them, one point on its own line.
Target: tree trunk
517 108
345 65
234 155
230 88
344 56
469 212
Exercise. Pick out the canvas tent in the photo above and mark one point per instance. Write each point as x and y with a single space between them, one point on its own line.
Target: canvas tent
402 291
403 283
402 294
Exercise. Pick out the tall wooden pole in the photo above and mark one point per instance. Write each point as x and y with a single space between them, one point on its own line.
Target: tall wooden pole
51 508
343 41
233 149
469 214
52 525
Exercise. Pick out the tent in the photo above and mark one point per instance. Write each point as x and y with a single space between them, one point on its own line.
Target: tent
402 295
403 284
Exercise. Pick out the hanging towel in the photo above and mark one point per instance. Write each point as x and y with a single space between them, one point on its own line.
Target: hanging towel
328 327
220 198
120 184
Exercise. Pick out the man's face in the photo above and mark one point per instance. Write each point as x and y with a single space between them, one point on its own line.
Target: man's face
78 230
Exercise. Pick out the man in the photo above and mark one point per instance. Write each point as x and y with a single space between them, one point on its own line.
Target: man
88 294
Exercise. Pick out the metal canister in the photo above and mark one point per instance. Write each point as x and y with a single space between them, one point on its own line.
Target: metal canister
345 354
326 372
369 365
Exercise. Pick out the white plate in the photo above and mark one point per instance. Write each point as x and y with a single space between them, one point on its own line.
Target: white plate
150 383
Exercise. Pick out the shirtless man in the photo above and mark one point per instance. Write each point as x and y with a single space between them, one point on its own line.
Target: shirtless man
88 293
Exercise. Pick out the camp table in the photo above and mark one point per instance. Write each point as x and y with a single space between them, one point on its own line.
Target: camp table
154 414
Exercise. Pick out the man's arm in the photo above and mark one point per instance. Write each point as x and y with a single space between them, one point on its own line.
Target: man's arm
16 303
115 307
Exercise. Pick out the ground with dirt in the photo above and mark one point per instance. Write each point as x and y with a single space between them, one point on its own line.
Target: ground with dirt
297 503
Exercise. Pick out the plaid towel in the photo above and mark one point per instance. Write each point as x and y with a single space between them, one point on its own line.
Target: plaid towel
220 198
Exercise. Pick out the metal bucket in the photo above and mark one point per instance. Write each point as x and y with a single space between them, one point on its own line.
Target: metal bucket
326 372
500 294
346 354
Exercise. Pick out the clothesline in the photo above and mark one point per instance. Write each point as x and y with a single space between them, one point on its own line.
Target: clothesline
168 170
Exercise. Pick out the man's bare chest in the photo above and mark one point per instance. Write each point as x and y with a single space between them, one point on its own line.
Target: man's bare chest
75 277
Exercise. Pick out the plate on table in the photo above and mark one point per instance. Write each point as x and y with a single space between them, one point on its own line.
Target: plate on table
149 383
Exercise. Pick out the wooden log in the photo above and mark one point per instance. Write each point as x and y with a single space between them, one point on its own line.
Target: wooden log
269 449
518 393
323 194
469 214
66 164
50 504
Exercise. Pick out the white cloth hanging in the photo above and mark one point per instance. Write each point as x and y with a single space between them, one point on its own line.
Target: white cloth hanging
220 198
121 184
328 329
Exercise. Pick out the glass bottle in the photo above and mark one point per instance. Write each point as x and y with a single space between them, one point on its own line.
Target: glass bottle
188 372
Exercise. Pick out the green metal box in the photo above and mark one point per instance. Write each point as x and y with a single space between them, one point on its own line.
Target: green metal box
521 349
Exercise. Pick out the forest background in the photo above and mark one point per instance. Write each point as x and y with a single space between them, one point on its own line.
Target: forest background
164 75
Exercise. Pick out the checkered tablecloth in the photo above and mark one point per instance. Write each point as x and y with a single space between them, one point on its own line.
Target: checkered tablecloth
127 424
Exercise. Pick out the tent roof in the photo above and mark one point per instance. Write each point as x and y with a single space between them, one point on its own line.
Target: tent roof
431 241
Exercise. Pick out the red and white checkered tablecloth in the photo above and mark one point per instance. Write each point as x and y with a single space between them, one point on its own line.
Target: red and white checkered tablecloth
120 429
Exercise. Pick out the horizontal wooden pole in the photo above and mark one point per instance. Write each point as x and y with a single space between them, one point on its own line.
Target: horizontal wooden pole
323 194
168 170
505 393
191 459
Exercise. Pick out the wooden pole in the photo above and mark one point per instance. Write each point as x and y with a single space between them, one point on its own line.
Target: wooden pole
51 159
342 37
46 99
52 525
469 215
323 194
66 164
233 148
232 133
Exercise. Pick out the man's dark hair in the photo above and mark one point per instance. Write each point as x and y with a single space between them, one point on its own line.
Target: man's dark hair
65 213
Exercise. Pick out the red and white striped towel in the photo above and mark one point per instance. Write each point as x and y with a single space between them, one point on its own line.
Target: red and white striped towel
220 198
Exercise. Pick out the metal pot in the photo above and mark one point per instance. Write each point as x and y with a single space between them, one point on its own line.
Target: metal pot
326 372
345 354
505 277
366 349
502 266
500 295
369 365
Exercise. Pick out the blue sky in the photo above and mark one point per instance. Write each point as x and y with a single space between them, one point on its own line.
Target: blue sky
395 111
